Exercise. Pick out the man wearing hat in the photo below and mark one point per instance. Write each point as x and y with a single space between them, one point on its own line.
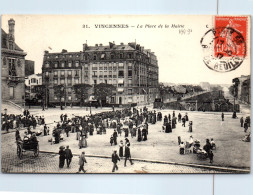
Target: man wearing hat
115 159
82 160
128 154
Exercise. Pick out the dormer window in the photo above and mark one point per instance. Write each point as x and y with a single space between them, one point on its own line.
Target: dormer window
47 65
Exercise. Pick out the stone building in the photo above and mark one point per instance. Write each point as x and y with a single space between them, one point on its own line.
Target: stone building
31 82
132 69
13 67
243 88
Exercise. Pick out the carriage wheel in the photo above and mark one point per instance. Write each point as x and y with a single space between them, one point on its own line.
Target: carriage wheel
36 151
19 151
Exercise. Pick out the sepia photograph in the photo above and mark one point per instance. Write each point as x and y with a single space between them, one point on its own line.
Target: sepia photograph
125 94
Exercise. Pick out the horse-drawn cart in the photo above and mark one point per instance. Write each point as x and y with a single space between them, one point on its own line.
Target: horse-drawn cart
23 146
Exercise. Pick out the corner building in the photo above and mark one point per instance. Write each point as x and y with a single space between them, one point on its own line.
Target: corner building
132 69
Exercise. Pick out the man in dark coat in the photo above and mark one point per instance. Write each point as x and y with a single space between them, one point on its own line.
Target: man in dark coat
127 155
222 116
69 156
62 157
115 135
115 159
241 121
45 130
183 121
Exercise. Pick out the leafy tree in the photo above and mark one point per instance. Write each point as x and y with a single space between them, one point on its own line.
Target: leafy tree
103 90
81 91
59 92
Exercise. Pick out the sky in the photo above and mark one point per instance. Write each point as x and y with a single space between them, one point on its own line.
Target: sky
178 50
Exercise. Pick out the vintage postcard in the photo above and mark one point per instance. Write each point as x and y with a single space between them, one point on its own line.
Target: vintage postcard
125 94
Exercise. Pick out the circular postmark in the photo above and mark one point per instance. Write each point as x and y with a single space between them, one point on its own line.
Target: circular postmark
224 49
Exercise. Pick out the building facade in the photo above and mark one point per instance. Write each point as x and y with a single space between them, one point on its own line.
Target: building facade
243 88
132 69
31 82
13 67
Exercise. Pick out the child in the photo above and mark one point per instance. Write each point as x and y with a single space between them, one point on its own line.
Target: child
211 156
111 140
181 148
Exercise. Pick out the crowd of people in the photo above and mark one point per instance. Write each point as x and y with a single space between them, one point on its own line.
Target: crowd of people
126 123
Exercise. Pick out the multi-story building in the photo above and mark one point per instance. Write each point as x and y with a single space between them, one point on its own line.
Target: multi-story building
129 67
243 88
13 67
31 82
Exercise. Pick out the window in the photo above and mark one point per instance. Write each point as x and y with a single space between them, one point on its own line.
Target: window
95 73
62 73
112 56
130 91
55 73
47 65
33 80
56 64
100 73
121 73
76 81
62 81
129 65
95 57
86 73
11 92
129 55
130 82
69 98
95 82
56 56
129 73
70 64
69 81
121 65
101 68
63 64
105 81
121 56
77 63
76 73
55 81
105 68
69 73
103 56
47 73
12 67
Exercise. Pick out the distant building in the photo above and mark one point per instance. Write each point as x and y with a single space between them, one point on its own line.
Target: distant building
31 82
29 67
243 88
132 69
13 67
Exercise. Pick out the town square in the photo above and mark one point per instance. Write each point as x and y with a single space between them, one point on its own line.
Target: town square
121 107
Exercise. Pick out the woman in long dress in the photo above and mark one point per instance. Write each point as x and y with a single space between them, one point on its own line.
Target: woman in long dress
121 146
139 138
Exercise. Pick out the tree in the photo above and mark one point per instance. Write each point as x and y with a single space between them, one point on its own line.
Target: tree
59 92
81 91
103 90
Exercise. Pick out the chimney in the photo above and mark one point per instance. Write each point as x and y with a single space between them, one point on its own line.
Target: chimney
121 43
100 44
46 52
64 51
11 23
96 45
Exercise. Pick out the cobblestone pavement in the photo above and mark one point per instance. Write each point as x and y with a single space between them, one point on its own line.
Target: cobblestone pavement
231 151
49 163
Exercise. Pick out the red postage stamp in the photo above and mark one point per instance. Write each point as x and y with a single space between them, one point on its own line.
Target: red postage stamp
231 36
225 45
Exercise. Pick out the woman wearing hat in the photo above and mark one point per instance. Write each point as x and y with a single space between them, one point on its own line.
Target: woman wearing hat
62 154
121 145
